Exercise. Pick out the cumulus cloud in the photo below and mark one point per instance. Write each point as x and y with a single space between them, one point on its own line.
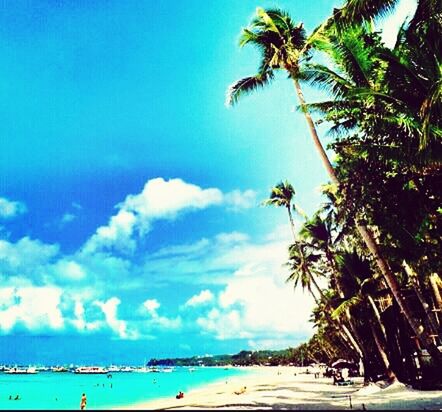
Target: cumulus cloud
25 255
80 323
150 307
236 284
35 308
202 298
69 269
10 209
118 326
255 302
160 199
223 325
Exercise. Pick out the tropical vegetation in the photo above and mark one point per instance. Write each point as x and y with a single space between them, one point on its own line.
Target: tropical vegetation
371 256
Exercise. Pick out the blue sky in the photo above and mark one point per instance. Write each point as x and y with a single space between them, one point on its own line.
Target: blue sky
129 193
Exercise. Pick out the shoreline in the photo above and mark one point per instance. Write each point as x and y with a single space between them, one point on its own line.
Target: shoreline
290 388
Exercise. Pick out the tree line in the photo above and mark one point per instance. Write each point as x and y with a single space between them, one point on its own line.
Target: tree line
299 356
371 255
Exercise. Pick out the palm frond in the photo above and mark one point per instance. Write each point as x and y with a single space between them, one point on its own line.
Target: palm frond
344 306
247 85
355 11
431 109
326 79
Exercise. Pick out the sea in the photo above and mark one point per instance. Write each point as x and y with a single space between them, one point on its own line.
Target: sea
63 390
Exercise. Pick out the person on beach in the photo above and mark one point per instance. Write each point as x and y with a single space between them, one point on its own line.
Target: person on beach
83 402
241 391
180 395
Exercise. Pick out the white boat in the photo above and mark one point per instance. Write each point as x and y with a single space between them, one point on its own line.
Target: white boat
91 370
126 369
21 371
167 370
113 368
59 369
143 369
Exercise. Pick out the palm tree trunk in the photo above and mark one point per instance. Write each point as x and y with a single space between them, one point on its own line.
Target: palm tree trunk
377 316
435 281
344 332
372 246
314 134
417 288
292 225
391 375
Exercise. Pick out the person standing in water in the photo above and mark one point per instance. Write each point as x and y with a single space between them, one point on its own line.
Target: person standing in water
83 402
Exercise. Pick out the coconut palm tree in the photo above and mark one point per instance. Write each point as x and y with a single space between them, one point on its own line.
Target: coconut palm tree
368 81
282 195
283 46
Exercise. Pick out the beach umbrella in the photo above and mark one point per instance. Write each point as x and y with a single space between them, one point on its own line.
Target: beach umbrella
342 363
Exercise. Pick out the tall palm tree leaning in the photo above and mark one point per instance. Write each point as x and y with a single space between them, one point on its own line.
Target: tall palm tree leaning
284 46
282 195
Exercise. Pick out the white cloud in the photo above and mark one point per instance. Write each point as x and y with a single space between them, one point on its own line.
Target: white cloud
35 308
159 199
9 209
69 269
118 326
251 300
150 306
256 302
80 322
232 237
205 296
238 200
390 24
25 254
183 249
268 306
223 325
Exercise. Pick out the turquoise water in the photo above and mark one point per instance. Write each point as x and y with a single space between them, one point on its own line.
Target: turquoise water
48 390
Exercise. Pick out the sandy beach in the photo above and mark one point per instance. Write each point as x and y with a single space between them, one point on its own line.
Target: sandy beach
291 388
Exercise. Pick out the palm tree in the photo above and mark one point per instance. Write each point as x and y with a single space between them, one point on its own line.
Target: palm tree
360 86
300 257
283 46
282 195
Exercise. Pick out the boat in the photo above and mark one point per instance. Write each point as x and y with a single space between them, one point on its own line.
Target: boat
126 369
59 369
167 370
113 368
21 371
91 370
143 369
